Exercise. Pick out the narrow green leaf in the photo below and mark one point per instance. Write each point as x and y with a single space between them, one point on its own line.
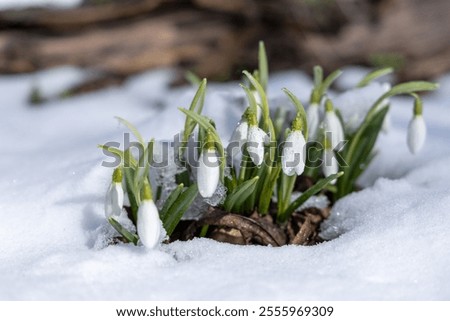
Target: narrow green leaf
204 231
240 194
268 125
148 156
170 200
263 66
411 87
133 130
266 194
133 195
251 98
318 76
316 188
201 120
357 156
192 78
130 237
374 75
196 106
300 109
206 124
123 156
402 89
178 208
329 81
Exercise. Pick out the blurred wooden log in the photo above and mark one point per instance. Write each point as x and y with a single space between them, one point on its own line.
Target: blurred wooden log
217 38
416 31
74 18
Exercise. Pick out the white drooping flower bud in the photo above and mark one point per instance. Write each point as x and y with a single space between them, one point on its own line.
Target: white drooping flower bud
115 195
240 133
255 144
332 126
208 173
417 132
329 163
313 118
149 225
236 143
293 156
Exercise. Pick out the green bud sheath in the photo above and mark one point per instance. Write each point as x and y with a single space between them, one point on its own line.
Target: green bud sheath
418 106
209 141
146 192
117 175
315 96
252 119
329 105
297 123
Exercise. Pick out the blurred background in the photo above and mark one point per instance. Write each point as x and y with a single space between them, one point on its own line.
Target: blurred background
116 39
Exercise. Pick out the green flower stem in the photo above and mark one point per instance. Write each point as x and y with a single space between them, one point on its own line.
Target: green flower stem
285 188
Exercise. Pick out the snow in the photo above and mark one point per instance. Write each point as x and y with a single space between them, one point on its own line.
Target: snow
18 4
389 241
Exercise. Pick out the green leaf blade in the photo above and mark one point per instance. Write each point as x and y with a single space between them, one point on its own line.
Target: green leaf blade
371 76
178 208
130 237
240 194
316 188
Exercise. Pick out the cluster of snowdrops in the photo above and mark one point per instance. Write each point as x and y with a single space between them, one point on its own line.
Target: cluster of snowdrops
267 152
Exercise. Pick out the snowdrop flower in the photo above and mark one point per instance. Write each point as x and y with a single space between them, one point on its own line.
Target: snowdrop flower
240 133
149 225
208 173
293 157
255 143
114 196
329 161
417 129
238 139
332 125
313 115
313 118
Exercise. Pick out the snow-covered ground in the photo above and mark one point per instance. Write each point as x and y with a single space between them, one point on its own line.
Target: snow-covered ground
18 4
393 237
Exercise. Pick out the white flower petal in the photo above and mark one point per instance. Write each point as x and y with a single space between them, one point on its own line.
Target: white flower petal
417 132
238 139
240 133
293 155
149 226
333 126
313 119
208 173
114 200
255 144
329 163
